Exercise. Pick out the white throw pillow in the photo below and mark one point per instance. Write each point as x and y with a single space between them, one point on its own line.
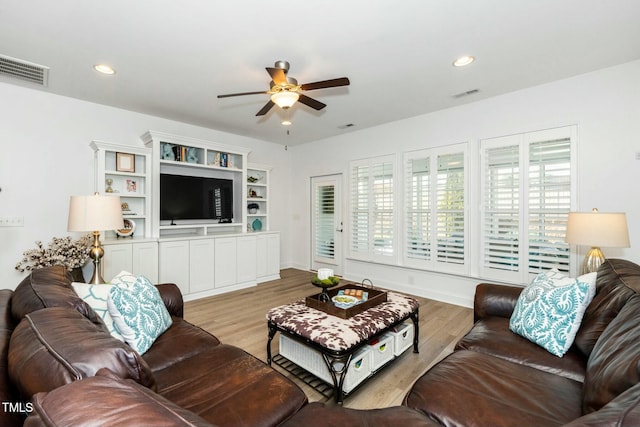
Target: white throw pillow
96 296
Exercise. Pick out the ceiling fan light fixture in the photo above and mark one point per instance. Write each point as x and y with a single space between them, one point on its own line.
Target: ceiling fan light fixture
284 99
286 123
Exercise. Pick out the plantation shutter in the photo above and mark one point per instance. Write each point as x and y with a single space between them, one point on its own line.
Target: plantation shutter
435 213
372 208
360 210
382 176
549 204
528 190
450 209
325 221
418 208
501 222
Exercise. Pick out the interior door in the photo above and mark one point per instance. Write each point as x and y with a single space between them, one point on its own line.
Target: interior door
326 223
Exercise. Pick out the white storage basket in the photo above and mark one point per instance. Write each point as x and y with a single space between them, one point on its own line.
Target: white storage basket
403 337
311 360
381 351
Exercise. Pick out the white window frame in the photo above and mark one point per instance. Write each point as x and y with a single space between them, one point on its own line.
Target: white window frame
431 261
369 248
521 272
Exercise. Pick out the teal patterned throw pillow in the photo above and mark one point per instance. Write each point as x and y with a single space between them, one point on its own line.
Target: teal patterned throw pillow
549 311
138 313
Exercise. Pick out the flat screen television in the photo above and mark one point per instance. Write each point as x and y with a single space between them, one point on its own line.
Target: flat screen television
195 198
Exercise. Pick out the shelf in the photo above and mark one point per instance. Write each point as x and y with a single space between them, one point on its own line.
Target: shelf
198 165
199 226
128 195
125 174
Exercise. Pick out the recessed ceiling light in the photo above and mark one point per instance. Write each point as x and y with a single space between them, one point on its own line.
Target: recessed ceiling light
463 60
286 123
104 69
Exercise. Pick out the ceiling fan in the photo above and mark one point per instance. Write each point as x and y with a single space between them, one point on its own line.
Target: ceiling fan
285 90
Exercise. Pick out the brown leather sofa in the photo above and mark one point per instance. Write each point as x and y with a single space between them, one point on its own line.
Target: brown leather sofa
497 378
60 363
493 378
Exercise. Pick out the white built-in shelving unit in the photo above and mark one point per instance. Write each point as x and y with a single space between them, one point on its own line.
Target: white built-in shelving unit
203 257
258 198
126 172
181 155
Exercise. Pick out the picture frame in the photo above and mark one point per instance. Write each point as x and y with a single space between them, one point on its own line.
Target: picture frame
132 186
125 162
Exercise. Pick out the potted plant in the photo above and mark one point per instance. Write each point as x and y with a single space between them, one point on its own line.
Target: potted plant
72 254
253 208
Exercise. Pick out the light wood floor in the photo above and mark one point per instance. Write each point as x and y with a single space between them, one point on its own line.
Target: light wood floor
238 318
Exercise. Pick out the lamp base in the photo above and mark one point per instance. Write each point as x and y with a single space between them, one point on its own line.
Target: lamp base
96 254
592 261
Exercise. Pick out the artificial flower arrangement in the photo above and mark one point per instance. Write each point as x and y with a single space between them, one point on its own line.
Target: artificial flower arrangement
61 251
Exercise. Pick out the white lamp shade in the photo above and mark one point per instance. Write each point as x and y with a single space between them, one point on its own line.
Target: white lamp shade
285 99
598 229
95 213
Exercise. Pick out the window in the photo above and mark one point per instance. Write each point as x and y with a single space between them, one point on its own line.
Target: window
435 212
528 188
325 221
372 209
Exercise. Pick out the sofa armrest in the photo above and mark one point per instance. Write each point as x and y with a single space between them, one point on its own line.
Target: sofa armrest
494 300
172 298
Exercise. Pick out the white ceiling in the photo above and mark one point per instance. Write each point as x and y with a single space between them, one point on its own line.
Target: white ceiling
173 57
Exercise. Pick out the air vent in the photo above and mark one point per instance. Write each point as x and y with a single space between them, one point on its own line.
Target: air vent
23 70
467 93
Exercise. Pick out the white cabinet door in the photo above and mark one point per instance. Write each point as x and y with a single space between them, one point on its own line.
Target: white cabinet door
261 256
145 260
268 256
273 255
225 261
201 263
246 259
117 257
174 264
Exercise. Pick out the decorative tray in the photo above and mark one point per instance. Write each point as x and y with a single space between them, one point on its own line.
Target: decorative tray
373 298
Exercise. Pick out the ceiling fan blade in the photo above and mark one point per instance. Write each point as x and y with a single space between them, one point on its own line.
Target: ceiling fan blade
277 75
316 105
342 81
241 94
264 110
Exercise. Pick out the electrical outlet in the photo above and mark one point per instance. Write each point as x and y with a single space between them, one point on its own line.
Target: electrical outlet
11 221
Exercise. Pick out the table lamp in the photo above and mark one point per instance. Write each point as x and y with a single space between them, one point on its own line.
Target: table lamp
596 229
95 213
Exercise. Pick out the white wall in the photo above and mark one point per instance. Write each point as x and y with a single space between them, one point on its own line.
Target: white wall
45 158
604 104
